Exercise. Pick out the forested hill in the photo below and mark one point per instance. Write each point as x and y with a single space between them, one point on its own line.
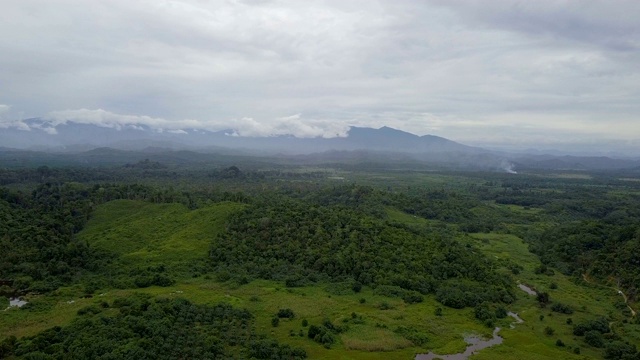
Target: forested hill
302 242
595 229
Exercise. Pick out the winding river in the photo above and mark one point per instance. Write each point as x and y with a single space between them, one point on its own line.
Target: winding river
475 344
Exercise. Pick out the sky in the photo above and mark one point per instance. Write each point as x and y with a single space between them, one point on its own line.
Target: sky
497 73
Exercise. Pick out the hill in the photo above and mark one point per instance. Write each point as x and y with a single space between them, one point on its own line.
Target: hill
143 233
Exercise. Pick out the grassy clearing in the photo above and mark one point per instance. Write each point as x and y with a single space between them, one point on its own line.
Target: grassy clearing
144 233
412 220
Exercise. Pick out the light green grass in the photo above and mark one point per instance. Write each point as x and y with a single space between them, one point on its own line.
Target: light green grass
141 232
394 214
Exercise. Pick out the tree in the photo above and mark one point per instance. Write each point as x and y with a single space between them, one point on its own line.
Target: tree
594 338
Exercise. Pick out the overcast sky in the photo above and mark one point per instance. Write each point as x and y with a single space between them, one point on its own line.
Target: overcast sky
476 71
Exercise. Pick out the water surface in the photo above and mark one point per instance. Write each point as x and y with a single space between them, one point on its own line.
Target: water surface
16 302
475 344
527 289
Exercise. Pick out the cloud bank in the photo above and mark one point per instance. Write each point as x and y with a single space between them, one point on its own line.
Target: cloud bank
294 125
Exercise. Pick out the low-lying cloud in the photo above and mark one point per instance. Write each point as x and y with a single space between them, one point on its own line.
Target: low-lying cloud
6 121
295 125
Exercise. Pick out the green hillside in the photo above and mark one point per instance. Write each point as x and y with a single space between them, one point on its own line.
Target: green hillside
145 233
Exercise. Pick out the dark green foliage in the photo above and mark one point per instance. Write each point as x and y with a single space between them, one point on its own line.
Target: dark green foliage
275 321
594 338
596 246
90 310
340 288
438 311
543 298
515 268
158 329
443 205
485 313
543 269
271 349
286 313
327 324
562 308
303 241
549 331
7 345
150 280
305 323
321 334
559 343
355 319
295 281
409 296
36 236
599 325
417 337
412 297
462 294
618 350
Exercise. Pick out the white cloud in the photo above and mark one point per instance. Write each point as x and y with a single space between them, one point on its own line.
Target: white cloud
7 122
178 132
294 125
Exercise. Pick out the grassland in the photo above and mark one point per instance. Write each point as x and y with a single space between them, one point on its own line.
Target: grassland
144 233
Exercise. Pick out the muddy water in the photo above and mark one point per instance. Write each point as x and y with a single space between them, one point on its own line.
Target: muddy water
527 289
17 302
475 344
516 317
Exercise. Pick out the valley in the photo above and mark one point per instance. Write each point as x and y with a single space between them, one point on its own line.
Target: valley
381 264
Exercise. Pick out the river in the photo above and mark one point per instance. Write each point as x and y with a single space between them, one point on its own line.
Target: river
476 344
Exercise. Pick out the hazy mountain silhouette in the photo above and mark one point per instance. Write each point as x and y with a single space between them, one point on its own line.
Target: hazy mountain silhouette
73 136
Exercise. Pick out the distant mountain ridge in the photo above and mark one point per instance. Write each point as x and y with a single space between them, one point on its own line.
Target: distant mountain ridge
72 136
